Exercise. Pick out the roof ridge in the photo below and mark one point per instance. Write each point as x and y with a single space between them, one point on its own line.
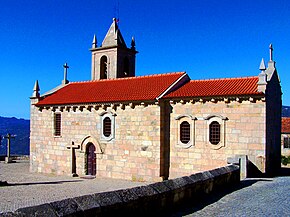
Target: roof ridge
128 78
218 79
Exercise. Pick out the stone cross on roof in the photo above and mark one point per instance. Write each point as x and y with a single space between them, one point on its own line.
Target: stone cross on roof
65 67
271 52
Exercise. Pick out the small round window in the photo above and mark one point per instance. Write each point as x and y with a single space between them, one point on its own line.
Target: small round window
184 132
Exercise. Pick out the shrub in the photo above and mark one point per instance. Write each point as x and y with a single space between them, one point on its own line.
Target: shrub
285 160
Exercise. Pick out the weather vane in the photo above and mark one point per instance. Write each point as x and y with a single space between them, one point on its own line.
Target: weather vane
117 11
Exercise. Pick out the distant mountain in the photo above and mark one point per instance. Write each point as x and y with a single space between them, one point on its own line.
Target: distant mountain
285 111
20 128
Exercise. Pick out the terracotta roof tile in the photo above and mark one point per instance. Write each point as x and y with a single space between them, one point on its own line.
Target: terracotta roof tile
217 87
112 90
285 125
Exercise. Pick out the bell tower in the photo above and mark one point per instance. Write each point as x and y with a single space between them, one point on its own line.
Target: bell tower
113 59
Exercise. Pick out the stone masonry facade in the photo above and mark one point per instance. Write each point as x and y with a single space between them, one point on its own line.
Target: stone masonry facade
243 133
133 153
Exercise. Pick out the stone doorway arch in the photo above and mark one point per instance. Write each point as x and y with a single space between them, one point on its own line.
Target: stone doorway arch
90 147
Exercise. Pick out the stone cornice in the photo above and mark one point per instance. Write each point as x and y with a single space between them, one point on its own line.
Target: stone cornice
96 106
226 99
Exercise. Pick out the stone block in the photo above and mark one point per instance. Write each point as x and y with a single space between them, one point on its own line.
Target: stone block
203 183
110 202
148 197
234 173
197 177
67 207
130 202
220 177
181 187
41 210
160 187
165 194
175 184
127 195
145 192
88 204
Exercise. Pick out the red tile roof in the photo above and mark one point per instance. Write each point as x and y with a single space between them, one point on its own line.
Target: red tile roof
112 90
285 125
218 87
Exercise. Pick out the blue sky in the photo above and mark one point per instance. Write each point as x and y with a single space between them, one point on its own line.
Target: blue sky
205 38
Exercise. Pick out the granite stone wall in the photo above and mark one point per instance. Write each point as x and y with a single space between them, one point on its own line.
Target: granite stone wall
243 125
132 153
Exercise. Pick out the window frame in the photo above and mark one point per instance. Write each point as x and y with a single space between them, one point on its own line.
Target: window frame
57 124
222 122
184 131
214 133
111 116
191 121
107 127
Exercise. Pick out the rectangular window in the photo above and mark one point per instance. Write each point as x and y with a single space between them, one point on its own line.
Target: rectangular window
57 124
286 142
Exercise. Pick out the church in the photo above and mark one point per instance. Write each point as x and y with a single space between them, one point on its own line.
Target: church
155 127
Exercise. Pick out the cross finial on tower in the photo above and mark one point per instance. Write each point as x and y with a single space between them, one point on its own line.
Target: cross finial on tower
65 67
271 52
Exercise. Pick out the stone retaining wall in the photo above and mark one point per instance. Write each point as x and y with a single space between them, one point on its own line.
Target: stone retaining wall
139 201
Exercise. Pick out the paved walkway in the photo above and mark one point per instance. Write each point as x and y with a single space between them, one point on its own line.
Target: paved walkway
253 197
28 189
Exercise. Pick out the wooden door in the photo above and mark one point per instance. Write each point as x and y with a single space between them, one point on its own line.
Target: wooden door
91 160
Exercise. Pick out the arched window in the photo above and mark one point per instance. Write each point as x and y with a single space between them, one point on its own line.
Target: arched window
184 132
126 67
107 127
214 133
104 68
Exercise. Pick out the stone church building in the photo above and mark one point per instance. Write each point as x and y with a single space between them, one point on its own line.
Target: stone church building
149 128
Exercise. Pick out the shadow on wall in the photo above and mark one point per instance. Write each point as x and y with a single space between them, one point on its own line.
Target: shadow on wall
41 183
285 171
15 157
253 171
